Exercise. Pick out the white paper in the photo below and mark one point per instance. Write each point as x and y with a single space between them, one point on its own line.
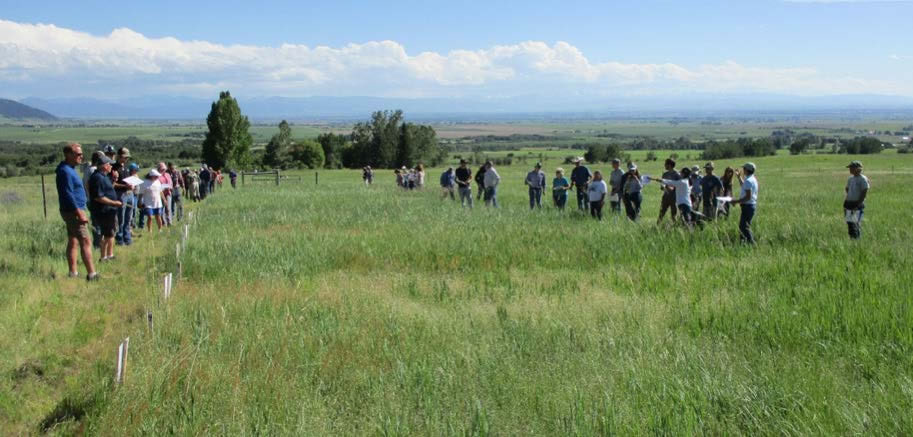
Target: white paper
724 199
166 186
133 181
645 179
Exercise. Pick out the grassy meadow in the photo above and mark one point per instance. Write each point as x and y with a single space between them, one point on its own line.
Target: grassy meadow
340 309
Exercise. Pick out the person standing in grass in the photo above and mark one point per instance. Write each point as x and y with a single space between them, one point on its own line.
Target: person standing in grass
711 188
400 180
491 181
480 182
104 206
668 199
177 181
71 197
447 184
167 185
205 178
419 176
124 191
464 183
560 185
748 199
152 198
728 175
631 188
580 179
616 179
596 192
535 180
857 187
682 190
696 191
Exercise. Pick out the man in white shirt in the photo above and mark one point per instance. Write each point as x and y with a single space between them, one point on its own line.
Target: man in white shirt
857 187
491 180
748 199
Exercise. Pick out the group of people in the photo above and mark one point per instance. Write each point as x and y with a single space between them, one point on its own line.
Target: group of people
686 193
460 181
408 178
112 193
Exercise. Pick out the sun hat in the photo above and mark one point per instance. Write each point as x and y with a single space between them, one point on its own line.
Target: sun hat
695 169
559 170
538 165
153 173
855 164
632 166
123 151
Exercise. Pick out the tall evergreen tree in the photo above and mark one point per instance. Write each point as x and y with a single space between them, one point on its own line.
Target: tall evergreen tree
277 150
228 139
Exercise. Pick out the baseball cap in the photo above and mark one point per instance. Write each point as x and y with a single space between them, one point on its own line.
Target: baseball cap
463 161
105 160
695 169
538 165
616 161
749 166
709 165
123 151
855 164
109 150
632 166
133 167
96 156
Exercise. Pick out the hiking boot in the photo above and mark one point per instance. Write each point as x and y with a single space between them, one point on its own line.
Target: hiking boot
93 277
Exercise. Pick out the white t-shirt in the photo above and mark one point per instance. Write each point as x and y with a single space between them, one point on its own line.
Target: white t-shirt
682 191
596 190
750 184
151 192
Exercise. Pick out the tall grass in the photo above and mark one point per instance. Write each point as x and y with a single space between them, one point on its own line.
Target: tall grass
345 309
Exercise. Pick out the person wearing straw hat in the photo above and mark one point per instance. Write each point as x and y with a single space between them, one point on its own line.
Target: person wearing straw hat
857 187
152 199
71 196
535 180
464 183
616 179
631 188
560 185
711 187
580 179
748 199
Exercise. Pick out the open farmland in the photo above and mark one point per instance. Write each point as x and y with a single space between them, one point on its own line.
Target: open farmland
343 309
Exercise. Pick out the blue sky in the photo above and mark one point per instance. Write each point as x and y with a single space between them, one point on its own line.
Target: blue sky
786 47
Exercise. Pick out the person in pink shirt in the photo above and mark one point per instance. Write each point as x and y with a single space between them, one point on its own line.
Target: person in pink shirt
166 182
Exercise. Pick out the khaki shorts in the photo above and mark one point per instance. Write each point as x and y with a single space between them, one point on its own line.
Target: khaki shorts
668 201
75 229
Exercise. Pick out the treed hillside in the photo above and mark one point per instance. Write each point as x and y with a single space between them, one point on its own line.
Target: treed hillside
15 110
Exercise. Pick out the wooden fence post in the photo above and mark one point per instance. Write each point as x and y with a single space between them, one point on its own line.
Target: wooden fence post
277 177
242 178
316 178
44 198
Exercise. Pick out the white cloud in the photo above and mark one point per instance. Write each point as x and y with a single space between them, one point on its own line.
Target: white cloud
40 56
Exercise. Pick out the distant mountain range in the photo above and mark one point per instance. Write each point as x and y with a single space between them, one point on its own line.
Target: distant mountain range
17 111
346 108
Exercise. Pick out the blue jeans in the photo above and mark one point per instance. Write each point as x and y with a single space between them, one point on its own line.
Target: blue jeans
491 196
632 205
466 195
535 198
560 199
745 223
583 200
177 205
125 220
687 213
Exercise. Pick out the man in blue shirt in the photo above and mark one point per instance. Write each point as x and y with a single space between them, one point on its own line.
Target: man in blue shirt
580 178
447 182
72 199
536 182
711 188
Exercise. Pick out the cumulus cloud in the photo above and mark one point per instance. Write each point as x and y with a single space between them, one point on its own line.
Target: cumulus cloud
44 56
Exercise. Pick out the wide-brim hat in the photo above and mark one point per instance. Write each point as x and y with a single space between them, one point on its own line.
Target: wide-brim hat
154 173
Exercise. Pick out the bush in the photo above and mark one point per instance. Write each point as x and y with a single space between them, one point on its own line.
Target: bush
307 153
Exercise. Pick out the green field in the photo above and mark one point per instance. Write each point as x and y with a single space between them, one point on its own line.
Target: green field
340 309
91 134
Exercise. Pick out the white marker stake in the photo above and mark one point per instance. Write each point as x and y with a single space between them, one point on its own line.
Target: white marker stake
122 351
177 251
167 292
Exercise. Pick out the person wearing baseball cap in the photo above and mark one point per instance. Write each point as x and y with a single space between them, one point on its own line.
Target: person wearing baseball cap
535 180
748 199
857 187
711 188
124 191
464 183
631 188
104 205
152 199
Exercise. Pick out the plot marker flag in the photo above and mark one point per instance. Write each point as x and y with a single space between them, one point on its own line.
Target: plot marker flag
167 291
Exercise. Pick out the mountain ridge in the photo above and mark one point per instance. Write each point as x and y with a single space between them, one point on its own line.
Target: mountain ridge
14 110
